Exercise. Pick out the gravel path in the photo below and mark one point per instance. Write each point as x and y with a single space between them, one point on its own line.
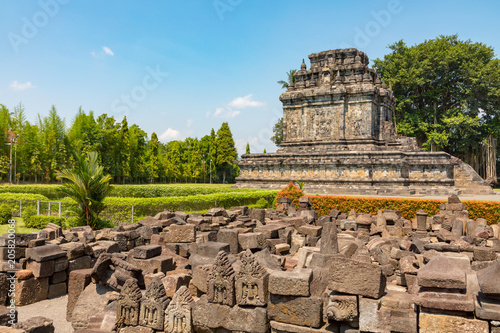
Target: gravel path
54 309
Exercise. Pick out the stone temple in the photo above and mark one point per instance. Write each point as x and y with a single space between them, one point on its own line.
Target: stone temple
339 138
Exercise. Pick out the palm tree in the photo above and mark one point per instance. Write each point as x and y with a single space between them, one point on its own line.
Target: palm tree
88 186
291 78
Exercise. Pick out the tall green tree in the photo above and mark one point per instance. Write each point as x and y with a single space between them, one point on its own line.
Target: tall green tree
226 153
278 132
447 96
88 186
247 150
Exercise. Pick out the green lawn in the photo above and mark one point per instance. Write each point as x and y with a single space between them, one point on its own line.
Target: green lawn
20 228
496 190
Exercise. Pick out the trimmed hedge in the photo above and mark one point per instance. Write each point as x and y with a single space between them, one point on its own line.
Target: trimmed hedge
489 210
47 191
169 190
52 192
120 209
41 221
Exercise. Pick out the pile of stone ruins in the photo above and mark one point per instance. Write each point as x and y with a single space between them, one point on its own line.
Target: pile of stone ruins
265 270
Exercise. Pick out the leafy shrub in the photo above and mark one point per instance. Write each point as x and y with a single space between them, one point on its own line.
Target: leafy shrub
261 203
28 212
41 221
5 213
73 222
292 192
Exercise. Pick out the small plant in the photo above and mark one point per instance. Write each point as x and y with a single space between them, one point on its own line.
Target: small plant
301 184
292 192
5 214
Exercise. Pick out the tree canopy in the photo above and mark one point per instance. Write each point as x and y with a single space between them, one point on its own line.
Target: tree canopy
447 96
124 150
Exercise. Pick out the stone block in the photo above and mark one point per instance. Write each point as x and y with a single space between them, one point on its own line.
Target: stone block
371 319
61 264
251 240
303 311
80 263
200 277
41 269
174 281
6 315
290 283
329 241
440 272
484 254
229 236
310 230
57 289
78 280
277 327
45 252
36 325
73 250
445 301
210 249
58 277
31 290
36 242
146 251
270 230
217 317
432 323
181 233
356 278
154 265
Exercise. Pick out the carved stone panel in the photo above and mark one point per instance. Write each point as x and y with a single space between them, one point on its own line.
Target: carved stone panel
178 312
129 304
220 284
341 308
153 305
251 282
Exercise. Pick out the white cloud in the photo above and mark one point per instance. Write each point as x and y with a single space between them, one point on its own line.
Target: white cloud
170 134
21 86
105 51
232 114
108 51
231 109
244 102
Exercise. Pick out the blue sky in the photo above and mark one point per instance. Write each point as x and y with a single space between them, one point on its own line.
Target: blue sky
180 68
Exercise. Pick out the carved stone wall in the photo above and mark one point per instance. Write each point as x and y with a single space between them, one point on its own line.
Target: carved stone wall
339 137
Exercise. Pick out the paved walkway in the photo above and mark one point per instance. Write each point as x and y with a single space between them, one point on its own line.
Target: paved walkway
54 309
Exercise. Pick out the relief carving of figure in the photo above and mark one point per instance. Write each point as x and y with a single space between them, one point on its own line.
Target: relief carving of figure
178 312
251 282
153 305
220 284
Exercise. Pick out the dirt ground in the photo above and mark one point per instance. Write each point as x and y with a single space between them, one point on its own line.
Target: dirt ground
54 309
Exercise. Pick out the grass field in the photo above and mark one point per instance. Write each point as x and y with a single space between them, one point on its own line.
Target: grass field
20 228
